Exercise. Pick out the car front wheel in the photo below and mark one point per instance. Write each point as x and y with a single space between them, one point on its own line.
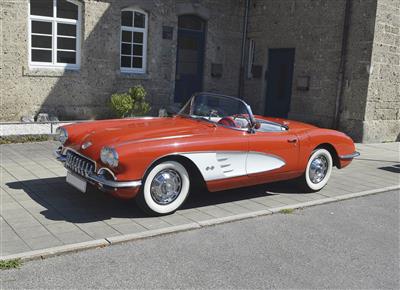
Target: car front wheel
165 188
318 170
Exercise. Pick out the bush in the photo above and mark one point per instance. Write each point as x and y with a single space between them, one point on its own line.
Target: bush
24 139
130 104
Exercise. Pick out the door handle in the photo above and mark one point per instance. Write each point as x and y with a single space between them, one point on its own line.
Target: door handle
292 140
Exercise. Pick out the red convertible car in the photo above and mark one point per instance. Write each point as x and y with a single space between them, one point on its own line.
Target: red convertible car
215 140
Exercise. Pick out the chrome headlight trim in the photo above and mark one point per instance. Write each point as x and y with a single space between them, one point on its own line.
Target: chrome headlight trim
109 156
62 134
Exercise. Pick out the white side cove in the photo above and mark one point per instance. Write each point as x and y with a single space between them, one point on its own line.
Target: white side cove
259 162
220 165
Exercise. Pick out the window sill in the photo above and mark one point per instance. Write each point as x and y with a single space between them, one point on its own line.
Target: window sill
133 76
49 72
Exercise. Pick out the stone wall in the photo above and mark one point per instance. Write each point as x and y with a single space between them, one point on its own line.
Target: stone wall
84 93
357 68
315 29
382 117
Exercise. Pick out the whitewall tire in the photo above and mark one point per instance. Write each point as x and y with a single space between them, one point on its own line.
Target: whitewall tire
165 188
318 170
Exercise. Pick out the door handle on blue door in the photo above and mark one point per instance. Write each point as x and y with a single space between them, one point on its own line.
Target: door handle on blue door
292 140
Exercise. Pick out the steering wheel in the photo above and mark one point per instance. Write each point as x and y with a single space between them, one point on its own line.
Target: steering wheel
228 121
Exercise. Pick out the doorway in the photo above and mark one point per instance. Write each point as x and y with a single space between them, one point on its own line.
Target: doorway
279 82
189 58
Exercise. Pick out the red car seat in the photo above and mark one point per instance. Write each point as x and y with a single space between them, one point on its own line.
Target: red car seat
228 121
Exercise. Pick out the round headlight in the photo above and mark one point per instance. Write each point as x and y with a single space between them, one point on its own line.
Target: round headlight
62 135
109 156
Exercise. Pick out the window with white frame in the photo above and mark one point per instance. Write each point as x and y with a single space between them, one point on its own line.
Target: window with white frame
54 33
133 41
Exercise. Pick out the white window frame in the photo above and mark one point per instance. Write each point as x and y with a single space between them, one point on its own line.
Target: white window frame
134 29
54 21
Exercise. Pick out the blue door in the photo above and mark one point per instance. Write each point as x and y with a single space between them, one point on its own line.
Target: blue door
189 58
279 82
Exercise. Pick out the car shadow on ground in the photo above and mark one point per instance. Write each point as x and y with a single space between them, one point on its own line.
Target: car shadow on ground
395 168
65 203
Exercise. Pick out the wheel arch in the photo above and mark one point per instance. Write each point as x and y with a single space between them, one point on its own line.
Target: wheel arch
332 150
194 173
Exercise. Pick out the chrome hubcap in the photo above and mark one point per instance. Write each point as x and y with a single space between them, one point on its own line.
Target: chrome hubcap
166 186
318 169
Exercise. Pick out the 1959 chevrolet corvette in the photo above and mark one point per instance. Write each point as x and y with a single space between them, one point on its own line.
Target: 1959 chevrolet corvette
214 140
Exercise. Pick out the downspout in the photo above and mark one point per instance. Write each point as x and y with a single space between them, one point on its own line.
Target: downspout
342 66
242 58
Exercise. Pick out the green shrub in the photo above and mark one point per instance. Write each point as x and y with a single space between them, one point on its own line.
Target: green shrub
24 139
132 103
121 104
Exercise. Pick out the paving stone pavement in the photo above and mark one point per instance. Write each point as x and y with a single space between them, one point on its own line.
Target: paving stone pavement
39 210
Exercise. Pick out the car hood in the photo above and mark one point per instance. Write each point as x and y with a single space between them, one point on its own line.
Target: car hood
121 132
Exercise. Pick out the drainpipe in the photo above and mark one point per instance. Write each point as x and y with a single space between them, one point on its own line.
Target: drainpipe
242 58
342 66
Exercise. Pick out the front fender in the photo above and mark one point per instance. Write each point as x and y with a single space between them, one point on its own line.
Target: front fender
341 143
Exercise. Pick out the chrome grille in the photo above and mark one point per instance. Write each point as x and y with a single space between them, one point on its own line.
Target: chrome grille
79 164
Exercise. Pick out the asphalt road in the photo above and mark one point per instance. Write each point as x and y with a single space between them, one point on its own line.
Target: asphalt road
349 244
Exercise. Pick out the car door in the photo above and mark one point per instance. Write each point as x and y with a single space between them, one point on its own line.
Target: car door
272 153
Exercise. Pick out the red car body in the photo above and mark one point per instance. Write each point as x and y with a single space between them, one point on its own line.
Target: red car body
142 142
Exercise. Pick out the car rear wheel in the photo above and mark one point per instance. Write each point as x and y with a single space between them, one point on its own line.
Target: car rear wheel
318 170
165 188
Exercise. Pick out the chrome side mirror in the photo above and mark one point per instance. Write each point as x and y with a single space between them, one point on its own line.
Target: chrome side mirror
254 126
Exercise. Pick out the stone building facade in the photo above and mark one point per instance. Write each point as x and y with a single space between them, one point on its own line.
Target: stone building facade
344 73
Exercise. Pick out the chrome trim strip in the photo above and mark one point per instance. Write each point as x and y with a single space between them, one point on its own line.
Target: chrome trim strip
350 156
114 184
108 170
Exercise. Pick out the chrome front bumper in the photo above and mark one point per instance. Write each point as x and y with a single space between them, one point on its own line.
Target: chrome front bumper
350 156
99 179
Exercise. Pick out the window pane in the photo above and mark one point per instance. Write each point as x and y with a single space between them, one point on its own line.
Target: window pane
138 50
138 37
66 43
66 29
126 18
42 7
66 57
41 55
67 9
139 20
137 62
125 61
126 36
41 41
41 27
126 49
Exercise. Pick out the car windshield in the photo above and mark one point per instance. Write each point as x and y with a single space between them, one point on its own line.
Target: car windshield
223 110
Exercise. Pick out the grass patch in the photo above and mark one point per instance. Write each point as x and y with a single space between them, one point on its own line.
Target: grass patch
24 139
10 264
287 210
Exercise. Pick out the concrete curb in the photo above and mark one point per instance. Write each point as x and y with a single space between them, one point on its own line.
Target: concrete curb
237 217
43 253
152 233
49 252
